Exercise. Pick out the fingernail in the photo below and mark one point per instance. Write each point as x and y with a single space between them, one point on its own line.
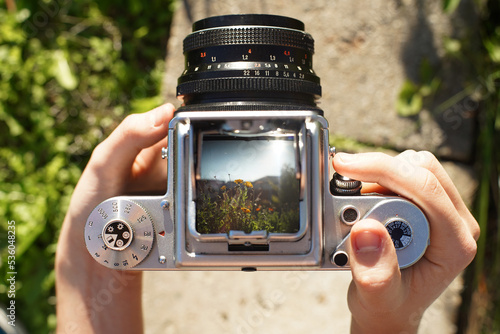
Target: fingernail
346 157
367 241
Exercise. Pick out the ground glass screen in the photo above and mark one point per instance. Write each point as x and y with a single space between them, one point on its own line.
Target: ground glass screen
247 185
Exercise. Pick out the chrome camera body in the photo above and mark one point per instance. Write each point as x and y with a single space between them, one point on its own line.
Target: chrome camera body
249 185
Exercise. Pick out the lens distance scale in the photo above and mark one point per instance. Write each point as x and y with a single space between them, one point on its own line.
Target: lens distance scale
119 234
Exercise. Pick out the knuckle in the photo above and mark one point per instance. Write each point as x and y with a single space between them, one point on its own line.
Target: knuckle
430 185
427 160
459 260
424 159
475 231
473 226
469 250
408 152
427 157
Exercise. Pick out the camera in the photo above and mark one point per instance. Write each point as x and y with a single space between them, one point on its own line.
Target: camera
249 180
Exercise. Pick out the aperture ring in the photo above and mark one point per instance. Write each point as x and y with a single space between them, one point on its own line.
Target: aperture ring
248 84
250 35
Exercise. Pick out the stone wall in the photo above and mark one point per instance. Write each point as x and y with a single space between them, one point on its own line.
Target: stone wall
365 50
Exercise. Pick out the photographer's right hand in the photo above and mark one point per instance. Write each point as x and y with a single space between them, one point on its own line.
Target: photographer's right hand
382 298
90 297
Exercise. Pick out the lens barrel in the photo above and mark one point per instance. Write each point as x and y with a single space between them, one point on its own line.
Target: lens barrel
248 62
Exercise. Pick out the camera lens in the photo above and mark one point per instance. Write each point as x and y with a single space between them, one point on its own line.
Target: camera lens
248 62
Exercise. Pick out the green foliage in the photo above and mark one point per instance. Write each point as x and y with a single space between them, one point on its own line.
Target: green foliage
411 95
69 71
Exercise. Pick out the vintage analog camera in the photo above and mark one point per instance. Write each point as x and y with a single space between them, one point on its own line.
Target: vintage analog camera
249 181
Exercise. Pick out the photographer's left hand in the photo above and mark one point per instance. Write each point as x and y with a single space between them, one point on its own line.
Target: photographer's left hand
382 298
90 297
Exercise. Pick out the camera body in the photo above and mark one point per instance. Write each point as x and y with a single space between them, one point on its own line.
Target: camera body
249 180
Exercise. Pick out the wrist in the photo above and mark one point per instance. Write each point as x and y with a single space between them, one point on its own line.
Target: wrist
394 323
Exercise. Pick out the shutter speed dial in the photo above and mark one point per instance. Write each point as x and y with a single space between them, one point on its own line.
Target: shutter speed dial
119 234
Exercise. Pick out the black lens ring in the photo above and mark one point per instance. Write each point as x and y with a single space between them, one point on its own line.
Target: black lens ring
248 36
201 86
248 19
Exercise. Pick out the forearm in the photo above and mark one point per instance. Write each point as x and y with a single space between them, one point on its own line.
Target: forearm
90 297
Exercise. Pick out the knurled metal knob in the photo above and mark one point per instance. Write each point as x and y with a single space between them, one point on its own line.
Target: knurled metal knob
344 186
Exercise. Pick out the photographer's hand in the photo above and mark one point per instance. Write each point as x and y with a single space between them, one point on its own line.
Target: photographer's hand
90 297
383 299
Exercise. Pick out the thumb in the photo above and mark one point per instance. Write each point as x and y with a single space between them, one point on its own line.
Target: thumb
376 286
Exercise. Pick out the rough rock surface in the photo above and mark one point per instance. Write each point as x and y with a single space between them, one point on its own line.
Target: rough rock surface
364 53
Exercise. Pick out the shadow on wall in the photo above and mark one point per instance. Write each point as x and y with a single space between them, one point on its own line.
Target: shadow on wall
419 46
449 102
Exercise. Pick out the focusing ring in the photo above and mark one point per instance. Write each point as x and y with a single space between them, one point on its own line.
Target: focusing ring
248 35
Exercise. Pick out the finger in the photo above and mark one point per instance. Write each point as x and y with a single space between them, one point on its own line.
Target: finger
448 229
369 188
149 172
116 155
428 161
377 284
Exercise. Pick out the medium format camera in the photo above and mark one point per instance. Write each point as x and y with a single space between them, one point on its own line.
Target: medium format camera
249 181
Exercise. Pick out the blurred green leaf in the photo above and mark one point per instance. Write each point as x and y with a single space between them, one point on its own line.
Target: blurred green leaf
409 102
430 88
62 71
452 46
449 6
15 129
141 32
493 48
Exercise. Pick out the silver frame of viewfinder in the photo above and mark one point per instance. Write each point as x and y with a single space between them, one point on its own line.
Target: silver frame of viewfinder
301 248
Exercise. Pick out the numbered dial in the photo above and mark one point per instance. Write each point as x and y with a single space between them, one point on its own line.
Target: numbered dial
400 232
119 234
